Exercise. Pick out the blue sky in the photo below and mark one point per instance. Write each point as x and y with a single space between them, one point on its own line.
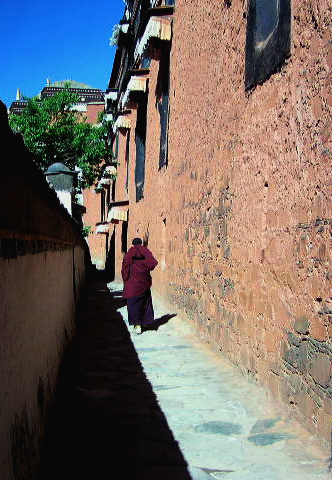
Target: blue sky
63 39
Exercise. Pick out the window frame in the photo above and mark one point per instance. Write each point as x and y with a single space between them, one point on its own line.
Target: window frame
127 159
163 104
261 64
140 141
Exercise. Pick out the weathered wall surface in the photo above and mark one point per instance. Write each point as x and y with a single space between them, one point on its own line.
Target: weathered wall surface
96 242
241 219
42 269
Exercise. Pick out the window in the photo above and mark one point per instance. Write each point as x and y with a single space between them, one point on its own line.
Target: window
116 147
124 237
127 160
113 190
140 138
103 206
146 59
268 38
163 104
108 195
146 4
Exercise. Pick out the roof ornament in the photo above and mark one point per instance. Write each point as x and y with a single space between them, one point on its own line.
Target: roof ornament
48 81
18 95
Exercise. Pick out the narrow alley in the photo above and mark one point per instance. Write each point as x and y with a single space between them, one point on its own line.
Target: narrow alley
207 139
159 406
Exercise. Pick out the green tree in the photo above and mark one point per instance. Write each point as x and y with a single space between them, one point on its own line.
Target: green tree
54 132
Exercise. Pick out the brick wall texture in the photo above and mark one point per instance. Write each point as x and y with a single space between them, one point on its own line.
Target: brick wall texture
241 218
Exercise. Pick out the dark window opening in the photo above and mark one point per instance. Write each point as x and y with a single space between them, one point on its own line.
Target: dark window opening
267 14
268 38
127 160
146 59
163 104
137 20
146 4
140 139
116 147
110 258
103 209
124 237
108 195
113 191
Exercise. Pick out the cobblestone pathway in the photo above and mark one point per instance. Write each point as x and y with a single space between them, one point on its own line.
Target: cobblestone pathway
160 407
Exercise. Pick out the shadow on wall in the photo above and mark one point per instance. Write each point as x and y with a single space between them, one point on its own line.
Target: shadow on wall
106 423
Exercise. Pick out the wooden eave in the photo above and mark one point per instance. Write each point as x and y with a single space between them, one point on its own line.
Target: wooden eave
121 112
139 71
154 12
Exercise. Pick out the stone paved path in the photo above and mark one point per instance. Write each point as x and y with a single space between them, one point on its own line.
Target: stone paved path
159 406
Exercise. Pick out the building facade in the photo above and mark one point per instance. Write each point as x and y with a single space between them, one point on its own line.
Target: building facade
222 127
88 96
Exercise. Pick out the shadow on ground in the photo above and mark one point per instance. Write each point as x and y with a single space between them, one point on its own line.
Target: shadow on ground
106 422
159 322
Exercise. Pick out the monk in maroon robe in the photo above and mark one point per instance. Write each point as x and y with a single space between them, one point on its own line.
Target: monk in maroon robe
136 267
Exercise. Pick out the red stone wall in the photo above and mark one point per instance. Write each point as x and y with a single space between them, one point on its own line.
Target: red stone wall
93 110
241 219
96 241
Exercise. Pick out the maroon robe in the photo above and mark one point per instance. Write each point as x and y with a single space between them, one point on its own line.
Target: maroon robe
136 267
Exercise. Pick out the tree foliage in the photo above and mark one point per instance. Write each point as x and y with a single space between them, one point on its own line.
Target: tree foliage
54 132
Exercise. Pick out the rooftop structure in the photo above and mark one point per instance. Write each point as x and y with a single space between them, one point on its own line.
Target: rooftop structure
86 93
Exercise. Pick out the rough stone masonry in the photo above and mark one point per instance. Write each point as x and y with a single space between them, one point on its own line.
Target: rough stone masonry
242 215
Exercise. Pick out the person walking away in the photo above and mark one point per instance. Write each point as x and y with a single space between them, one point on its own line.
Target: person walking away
136 267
